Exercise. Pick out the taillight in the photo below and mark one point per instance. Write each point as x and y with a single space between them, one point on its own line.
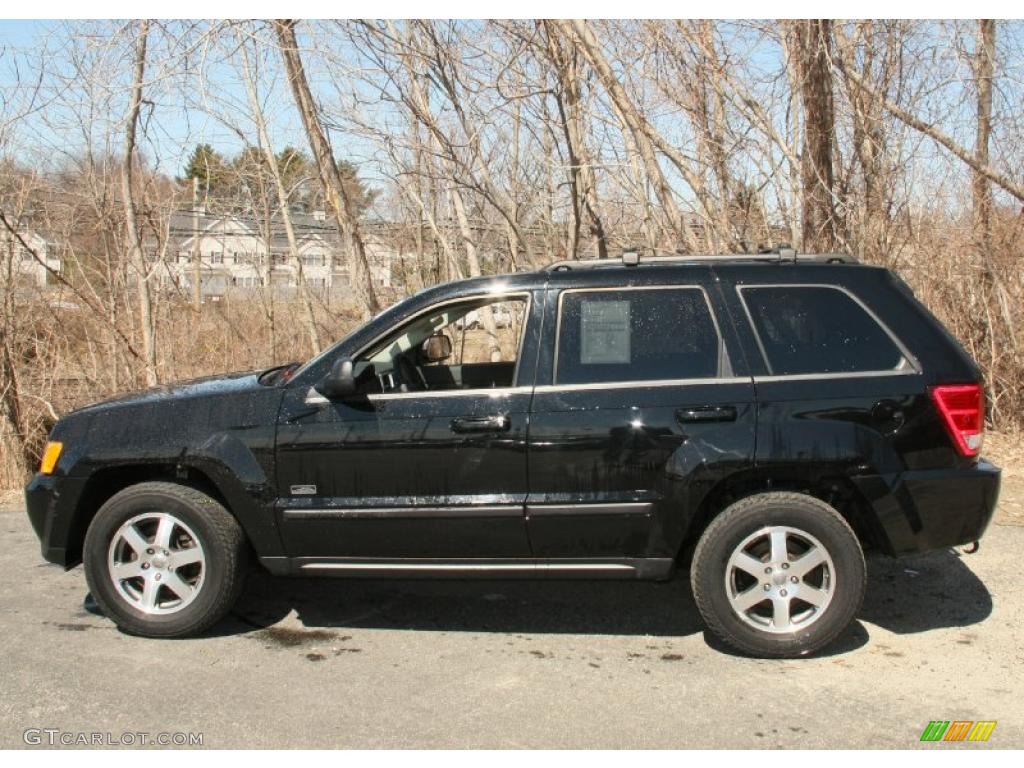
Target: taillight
963 411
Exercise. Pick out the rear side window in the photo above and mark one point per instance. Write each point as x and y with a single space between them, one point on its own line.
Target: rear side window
636 335
817 329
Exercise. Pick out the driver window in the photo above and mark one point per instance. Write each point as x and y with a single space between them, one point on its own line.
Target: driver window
468 345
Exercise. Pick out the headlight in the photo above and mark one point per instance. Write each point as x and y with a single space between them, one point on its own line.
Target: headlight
50 456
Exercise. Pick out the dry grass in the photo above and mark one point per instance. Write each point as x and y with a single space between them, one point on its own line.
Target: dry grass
68 357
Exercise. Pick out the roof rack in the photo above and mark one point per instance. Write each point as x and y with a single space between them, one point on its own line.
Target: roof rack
634 258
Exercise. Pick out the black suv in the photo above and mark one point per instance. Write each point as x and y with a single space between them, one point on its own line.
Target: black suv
780 413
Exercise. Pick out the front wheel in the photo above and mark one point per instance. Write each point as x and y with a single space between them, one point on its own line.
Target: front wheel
164 560
778 575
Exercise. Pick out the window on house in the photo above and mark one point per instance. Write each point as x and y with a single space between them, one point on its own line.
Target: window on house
636 335
818 329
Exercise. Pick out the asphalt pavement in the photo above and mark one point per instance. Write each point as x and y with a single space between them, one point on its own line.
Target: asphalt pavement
498 664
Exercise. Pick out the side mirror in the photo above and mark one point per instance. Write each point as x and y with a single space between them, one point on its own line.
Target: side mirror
436 348
340 382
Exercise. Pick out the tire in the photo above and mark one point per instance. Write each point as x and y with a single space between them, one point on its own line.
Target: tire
164 560
740 558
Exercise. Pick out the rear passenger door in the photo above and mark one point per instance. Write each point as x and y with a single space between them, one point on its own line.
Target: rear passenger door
639 409
838 392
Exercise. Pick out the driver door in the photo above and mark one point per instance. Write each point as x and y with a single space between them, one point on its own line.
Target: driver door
429 460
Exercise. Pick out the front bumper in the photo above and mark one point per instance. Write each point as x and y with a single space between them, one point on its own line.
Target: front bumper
44 502
932 509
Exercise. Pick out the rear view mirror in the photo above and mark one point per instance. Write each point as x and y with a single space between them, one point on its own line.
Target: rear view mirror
436 348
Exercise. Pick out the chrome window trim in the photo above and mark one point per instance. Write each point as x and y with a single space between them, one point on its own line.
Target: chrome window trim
641 384
722 357
899 370
837 375
315 398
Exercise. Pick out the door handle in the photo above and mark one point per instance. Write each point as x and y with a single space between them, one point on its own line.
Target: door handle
481 424
706 413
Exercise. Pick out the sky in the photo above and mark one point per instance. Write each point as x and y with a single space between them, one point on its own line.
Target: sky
169 139
177 127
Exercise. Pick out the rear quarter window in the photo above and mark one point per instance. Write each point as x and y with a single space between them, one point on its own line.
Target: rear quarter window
818 329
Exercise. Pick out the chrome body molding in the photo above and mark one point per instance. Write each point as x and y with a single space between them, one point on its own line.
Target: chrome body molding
355 513
468 510
614 508
465 568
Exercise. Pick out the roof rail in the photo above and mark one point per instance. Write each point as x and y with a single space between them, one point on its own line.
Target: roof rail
633 258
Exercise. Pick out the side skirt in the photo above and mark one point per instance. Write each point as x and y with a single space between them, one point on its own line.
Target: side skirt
648 569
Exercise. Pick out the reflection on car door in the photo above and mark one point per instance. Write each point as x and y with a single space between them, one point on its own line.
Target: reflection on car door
641 408
407 475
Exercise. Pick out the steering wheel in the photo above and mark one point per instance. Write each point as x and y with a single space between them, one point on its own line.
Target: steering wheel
411 380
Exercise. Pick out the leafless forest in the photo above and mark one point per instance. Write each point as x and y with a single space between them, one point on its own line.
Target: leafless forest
482 147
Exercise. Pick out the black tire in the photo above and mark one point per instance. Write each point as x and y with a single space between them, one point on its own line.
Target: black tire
223 545
745 519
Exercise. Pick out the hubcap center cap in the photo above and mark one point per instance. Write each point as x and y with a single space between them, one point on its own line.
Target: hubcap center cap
159 561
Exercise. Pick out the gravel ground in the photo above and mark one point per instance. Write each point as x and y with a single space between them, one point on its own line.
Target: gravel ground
306 663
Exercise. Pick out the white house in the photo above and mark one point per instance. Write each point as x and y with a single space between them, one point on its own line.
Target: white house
26 267
235 253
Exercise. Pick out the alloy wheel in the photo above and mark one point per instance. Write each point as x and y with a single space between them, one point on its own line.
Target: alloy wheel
156 563
780 579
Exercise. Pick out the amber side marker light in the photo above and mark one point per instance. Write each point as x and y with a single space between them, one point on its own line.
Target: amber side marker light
50 456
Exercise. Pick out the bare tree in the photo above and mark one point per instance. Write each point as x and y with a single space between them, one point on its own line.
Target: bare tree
284 203
981 191
135 253
334 188
811 51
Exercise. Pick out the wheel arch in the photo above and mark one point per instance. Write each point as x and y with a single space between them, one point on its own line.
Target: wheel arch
836 490
104 483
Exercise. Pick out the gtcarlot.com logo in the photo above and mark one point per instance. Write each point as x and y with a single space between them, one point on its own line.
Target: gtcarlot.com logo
55 737
958 730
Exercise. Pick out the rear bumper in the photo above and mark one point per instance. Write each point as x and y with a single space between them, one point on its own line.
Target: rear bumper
932 509
43 500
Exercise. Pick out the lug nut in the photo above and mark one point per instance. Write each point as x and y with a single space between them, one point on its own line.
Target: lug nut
145 566
767 587
782 592
794 579
149 551
768 570
156 576
785 566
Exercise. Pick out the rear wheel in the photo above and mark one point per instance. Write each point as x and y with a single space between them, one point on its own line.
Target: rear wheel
778 575
164 560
